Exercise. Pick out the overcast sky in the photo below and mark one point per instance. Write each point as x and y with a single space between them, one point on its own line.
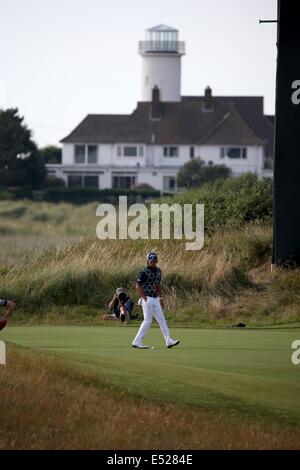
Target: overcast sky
63 59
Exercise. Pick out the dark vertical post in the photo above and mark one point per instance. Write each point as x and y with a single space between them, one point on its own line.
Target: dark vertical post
286 225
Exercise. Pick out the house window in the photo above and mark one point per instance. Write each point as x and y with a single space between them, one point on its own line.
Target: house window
171 151
91 181
130 151
86 154
79 154
169 183
92 154
192 152
234 152
123 182
83 181
74 181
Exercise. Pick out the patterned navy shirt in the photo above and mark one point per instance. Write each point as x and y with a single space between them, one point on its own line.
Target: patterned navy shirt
150 278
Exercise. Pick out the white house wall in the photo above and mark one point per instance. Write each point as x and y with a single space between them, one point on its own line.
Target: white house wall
253 163
104 154
153 165
105 180
147 177
154 177
68 154
127 161
160 160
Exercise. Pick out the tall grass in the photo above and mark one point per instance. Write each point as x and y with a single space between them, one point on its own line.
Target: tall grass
54 266
199 286
28 228
30 218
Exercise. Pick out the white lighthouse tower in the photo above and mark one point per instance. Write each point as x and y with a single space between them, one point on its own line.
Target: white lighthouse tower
161 63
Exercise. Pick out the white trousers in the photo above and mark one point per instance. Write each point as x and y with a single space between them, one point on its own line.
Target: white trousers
152 308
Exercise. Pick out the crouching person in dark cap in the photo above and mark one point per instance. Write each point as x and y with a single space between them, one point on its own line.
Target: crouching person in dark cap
120 306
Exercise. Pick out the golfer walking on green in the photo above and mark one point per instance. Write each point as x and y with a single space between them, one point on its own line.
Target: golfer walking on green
149 288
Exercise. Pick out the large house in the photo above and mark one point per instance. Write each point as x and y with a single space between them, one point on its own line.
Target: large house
166 130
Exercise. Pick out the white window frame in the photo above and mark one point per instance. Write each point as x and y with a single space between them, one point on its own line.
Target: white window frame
120 150
87 154
169 177
167 151
133 179
243 149
93 187
86 146
74 154
83 175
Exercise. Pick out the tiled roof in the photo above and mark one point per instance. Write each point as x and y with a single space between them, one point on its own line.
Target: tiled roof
232 120
231 129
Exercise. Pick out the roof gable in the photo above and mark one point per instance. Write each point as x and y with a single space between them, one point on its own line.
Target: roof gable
231 129
232 121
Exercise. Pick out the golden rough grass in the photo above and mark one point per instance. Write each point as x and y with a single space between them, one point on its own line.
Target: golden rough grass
216 307
212 283
117 256
49 404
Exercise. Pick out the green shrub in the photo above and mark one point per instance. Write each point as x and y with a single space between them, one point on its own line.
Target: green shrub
85 195
195 173
5 195
231 202
56 192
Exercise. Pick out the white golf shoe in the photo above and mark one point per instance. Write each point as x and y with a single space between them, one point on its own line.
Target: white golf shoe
173 343
140 346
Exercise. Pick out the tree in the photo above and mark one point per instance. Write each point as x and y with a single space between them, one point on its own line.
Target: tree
20 162
50 154
195 173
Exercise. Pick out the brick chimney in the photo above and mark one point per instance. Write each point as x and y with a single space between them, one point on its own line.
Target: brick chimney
155 104
208 102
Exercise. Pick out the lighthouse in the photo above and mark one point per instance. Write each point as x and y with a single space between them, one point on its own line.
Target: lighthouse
161 63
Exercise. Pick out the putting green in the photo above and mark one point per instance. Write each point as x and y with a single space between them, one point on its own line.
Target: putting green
244 370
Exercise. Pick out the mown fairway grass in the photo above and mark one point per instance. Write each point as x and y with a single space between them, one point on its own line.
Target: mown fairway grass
245 372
